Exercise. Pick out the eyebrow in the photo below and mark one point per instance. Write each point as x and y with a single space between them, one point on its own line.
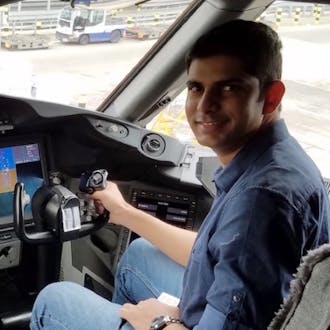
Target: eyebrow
218 83
192 82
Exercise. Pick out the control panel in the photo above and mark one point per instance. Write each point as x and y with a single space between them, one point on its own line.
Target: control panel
10 250
173 208
178 209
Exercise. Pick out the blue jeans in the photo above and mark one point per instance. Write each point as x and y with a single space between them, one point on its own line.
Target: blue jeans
143 272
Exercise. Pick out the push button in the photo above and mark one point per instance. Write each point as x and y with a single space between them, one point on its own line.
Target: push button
6 236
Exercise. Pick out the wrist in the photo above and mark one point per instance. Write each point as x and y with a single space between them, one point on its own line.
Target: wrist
163 322
122 214
174 326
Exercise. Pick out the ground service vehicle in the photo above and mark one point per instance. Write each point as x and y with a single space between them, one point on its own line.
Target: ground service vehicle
120 108
84 25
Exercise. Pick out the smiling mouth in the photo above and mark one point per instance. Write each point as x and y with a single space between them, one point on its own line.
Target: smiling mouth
209 123
210 126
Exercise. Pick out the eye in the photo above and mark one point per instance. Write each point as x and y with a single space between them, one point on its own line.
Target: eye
229 88
194 88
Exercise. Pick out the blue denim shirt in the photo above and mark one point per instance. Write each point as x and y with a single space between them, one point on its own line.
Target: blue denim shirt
271 207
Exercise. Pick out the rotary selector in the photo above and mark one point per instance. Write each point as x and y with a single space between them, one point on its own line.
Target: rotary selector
153 144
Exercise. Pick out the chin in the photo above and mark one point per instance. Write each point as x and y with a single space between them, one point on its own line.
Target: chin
209 141
210 144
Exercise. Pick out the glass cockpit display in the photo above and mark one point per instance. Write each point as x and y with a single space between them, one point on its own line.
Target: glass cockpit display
21 163
173 208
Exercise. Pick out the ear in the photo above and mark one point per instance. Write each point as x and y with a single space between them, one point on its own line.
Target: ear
273 96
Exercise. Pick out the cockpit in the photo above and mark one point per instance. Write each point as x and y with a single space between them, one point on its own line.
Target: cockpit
121 120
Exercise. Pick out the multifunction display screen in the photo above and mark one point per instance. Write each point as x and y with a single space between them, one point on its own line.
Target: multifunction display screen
172 208
168 211
18 163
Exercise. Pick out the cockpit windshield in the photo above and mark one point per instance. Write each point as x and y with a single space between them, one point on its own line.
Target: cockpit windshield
81 54
78 57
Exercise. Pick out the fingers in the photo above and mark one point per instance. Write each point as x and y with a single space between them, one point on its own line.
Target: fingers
110 189
141 314
99 206
125 309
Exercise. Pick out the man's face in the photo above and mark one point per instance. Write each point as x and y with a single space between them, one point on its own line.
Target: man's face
223 106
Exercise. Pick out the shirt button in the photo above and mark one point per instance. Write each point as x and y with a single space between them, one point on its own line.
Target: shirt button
236 299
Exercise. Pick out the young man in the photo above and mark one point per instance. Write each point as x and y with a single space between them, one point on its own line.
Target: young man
271 207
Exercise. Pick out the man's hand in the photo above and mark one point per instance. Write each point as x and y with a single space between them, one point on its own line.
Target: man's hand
141 315
111 199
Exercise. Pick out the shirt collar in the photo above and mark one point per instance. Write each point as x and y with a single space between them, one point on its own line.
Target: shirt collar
225 177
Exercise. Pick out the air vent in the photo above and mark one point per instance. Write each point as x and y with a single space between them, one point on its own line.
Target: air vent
153 144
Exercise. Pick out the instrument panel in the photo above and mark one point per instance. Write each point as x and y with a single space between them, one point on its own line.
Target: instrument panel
43 145
155 173
21 160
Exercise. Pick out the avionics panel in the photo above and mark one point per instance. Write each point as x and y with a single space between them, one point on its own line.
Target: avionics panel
179 209
173 208
21 160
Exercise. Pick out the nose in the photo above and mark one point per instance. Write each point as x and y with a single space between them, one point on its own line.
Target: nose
208 102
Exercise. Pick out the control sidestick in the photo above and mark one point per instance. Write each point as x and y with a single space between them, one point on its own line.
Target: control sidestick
56 211
92 181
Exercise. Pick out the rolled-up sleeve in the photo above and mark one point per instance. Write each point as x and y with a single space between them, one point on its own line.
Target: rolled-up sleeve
213 318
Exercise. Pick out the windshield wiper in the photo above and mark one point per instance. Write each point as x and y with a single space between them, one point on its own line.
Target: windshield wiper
137 3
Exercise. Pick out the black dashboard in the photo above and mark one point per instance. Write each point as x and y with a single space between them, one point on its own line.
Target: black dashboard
43 143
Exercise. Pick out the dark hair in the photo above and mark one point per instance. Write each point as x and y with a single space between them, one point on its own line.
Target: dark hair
255 44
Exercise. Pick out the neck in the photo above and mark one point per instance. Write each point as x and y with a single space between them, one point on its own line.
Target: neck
269 119
226 156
